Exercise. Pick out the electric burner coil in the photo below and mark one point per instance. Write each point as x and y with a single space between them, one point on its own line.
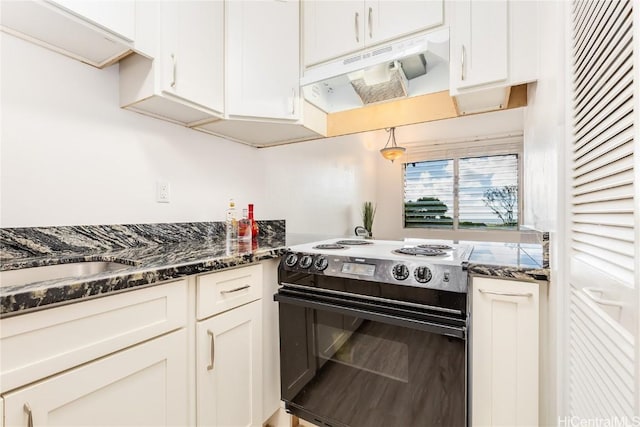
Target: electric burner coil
330 246
416 251
435 246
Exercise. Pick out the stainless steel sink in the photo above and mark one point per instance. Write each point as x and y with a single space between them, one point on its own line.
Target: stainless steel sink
58 271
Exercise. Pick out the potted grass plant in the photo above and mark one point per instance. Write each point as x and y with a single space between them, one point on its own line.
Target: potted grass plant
368 213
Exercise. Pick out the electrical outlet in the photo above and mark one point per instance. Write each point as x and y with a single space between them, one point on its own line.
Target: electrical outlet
163 194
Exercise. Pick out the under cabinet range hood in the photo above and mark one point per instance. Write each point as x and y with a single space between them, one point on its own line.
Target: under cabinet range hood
406 68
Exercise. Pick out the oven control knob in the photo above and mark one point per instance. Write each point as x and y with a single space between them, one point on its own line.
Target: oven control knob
321 263
422 274
305 261
291 260
400 272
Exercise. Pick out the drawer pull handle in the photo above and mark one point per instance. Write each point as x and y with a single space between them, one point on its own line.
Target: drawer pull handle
27 409
370 23
213 348
357 27
241 288
507 294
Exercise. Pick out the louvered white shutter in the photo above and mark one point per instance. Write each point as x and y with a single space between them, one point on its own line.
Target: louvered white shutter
602 331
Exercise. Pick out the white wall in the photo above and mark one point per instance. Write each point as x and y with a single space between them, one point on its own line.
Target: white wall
544 185
69 155
321 185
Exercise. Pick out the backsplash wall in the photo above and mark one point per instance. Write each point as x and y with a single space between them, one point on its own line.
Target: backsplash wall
70 155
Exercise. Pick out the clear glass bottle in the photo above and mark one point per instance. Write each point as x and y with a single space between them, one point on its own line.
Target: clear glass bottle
244 228
231 225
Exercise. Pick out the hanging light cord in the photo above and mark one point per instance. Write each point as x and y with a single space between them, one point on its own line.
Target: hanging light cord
392 137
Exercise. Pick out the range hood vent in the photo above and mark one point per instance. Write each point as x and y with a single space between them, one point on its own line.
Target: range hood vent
388 82
407 68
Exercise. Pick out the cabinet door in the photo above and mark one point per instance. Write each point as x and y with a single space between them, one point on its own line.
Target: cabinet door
504 352
145 385
332 29
478 43
389 19
263 58
193 51
229 368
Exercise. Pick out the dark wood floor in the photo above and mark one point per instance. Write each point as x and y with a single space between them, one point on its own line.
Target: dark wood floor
392 377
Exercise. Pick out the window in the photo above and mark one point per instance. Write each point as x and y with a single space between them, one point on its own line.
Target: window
487 194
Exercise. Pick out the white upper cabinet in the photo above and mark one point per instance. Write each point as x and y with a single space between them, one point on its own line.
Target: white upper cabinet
390 19
263 59
332 29
183 81
493 47
479 44
95 32
192 52
336 28
262 78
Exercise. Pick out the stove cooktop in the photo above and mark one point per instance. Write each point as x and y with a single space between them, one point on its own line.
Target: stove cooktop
436 251
418 263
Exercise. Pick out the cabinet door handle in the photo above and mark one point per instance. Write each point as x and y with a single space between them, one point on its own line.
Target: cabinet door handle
229 291
462 65
506 294
213 349
357 27
293 101
173 62
370 22
27 409
590 293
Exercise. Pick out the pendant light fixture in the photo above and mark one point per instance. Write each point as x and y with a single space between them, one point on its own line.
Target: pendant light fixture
393 152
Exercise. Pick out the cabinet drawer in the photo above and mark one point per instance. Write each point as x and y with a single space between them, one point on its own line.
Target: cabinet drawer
218 292
36 345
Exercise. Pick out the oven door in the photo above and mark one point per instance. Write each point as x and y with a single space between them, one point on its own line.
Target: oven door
356 362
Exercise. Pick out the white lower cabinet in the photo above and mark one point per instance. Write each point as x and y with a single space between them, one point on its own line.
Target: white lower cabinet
504 352
144 385
229 368
128 359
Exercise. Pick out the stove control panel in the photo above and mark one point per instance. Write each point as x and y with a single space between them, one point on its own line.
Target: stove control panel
418 273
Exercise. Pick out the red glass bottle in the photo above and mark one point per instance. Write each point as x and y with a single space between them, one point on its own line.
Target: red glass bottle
254 228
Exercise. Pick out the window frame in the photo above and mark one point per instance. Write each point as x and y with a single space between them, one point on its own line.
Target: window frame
490 146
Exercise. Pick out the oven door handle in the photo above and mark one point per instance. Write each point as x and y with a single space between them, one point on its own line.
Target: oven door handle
317 303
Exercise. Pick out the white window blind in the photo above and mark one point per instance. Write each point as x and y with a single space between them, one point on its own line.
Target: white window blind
428 194
488 191
468 192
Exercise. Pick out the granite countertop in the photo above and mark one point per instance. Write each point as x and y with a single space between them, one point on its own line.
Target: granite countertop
517 261
143 264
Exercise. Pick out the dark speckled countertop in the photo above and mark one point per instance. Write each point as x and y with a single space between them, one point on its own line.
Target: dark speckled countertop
516 261
150 254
